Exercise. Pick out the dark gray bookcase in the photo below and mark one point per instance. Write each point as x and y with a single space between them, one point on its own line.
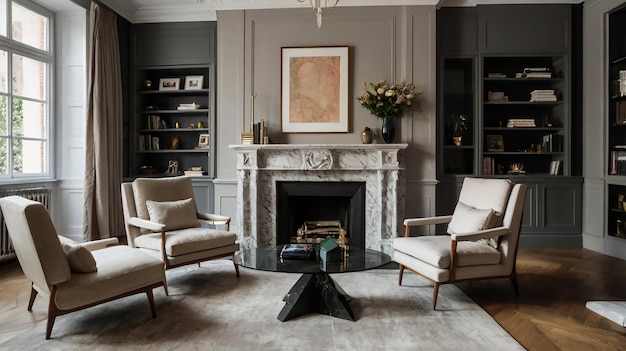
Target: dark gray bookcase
483 49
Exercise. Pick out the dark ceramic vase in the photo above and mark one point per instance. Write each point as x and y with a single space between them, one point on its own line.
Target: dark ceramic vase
388 130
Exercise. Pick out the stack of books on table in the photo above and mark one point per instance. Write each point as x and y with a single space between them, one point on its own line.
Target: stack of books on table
297 252
542 95
535 72
521 123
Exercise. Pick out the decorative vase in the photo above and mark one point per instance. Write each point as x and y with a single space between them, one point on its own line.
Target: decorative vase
457 140
367 136
388 130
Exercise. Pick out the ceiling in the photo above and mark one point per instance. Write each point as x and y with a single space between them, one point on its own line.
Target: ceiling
147 11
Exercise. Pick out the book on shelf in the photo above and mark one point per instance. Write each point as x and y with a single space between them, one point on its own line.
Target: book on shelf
191 173
555 167
521 122
553 143
496 75
542 95
620 112
192 106
618 162
488 166
535 72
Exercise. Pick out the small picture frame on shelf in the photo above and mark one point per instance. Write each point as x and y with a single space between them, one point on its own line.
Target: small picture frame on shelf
169 84
495 143
193 82
203 141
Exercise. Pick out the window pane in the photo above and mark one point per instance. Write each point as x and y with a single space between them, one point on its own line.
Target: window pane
4 131
29 156
4 71
29 119
4 156
29 77
29 27
3 18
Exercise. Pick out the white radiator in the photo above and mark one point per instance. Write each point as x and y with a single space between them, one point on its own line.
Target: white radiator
36 194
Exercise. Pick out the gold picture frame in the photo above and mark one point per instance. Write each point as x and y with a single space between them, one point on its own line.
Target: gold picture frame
314 89
495 143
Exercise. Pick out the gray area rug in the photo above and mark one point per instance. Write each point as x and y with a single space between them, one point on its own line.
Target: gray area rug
210 309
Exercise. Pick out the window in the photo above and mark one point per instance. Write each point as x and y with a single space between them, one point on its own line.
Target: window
25 70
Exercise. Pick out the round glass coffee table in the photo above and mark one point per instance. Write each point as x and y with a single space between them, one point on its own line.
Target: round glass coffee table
315 291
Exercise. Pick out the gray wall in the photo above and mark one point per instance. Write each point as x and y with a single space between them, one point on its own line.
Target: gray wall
391 42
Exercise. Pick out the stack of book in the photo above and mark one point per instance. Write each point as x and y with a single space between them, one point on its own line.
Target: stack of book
192 106
521 123
553 143
535 72
195 172
542 95
297 252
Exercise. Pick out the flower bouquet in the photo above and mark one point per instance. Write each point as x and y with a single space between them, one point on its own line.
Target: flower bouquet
385 101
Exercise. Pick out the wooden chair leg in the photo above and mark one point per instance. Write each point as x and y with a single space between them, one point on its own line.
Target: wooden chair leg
513 278
435 294
53 312
33 295
165 289
151 302
401 271
236 267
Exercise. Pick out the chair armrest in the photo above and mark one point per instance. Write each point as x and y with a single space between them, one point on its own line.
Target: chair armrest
410 222
145 224
99 244
482 234
213 218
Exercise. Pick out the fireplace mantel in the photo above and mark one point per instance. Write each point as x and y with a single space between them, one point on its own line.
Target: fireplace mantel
259 167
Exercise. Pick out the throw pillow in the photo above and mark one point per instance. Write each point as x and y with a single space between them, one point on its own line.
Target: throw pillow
467 219
80 259
174 214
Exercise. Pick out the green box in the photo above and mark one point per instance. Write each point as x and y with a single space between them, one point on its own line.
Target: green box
330 250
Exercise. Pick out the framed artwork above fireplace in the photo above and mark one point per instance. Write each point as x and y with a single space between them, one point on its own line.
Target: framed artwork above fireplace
314 89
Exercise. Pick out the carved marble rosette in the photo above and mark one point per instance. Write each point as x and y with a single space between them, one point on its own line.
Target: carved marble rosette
380 166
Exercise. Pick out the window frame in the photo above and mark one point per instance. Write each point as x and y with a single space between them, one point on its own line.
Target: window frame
12 47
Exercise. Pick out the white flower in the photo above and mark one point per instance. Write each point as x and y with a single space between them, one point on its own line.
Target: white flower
380 90
389 93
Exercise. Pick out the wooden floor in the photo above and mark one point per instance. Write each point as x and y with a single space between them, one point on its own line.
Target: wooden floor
549 313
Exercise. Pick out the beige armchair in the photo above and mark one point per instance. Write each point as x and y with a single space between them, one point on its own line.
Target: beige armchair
162 219
68 274
483 237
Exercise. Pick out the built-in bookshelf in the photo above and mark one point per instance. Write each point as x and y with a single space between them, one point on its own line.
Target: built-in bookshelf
525 116
616 124
172 121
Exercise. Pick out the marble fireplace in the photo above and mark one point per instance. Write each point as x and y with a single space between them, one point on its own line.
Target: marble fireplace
261 169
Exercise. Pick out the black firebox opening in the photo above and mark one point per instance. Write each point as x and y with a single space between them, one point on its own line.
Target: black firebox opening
297 202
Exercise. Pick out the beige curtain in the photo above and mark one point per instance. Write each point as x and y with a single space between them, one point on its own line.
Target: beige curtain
103 168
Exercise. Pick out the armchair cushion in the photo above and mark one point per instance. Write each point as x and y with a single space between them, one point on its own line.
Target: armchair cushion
193 240
435 250
80 259
468 219
174 214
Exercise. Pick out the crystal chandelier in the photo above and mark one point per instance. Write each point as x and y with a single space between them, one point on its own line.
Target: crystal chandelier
317 6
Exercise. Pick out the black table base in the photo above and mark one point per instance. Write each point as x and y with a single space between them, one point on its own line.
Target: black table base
316 293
